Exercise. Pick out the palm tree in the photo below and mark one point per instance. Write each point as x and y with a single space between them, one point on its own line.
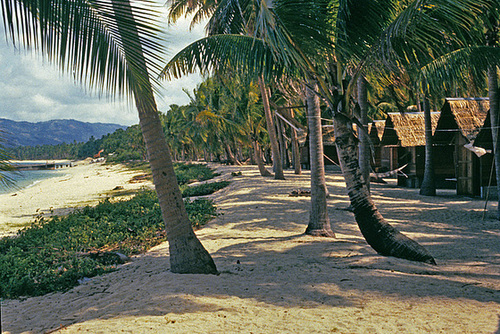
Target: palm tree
233 17
319 222
428 186
364 32
239 25
305 45
111 49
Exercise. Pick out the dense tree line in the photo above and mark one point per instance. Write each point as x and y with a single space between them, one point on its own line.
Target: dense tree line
121 145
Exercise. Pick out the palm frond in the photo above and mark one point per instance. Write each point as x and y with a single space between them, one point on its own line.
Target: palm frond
221 53
459 66
228 18
199 9
359 24
5 165
425 29
82 37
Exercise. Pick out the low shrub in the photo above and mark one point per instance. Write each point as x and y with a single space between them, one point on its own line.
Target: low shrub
204 189
187 173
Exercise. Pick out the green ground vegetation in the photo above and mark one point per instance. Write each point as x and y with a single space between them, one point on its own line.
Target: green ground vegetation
54 254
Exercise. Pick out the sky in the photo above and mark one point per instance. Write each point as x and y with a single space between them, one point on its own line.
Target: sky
34 90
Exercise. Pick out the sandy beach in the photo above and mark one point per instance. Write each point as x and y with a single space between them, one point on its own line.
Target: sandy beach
273 278
84 184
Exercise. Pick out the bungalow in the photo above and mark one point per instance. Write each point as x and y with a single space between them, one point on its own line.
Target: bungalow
403 142
329 148
460 121
483 144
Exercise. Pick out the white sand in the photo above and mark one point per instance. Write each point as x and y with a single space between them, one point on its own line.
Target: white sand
274 279
84 184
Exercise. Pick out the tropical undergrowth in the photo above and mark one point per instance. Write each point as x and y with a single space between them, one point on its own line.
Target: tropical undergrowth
54 254
185 172
203 189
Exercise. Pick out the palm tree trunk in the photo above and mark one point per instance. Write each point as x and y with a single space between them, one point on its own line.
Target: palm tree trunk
492 40
187 254
379 234
495 122
257 153
364 140
295 149
428 187
281 142
319 222
271 130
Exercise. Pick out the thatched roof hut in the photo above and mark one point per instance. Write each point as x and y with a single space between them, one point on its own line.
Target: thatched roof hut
459 125
406 130
329 148
463 115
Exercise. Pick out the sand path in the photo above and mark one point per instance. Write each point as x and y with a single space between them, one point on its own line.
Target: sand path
274 279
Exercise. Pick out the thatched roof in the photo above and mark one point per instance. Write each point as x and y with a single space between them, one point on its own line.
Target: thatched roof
406 130
466 115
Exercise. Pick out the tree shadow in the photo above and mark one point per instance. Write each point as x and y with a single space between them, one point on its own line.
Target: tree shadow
286 269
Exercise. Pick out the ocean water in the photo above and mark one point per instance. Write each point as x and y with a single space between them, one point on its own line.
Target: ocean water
27 178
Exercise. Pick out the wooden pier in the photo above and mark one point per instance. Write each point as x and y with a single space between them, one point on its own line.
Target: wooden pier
41 164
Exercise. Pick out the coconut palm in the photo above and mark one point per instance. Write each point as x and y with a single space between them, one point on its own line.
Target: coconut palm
319 221
364 31
492 74
219 24
236 19
112 47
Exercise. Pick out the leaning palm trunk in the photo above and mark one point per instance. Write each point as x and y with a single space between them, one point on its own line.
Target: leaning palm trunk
271 130
319 222
230 155
381 236
187 254
257 153
428 187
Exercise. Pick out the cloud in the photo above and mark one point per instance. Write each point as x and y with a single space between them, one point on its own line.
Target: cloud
33 90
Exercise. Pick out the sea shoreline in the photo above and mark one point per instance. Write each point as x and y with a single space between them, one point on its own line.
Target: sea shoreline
83 184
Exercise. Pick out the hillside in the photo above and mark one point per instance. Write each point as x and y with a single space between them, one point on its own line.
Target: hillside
52 132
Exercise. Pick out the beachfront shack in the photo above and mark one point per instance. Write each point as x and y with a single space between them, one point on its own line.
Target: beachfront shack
329 148
459 124
403 143
483 148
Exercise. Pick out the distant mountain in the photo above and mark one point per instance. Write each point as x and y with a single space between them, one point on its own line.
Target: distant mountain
52 132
